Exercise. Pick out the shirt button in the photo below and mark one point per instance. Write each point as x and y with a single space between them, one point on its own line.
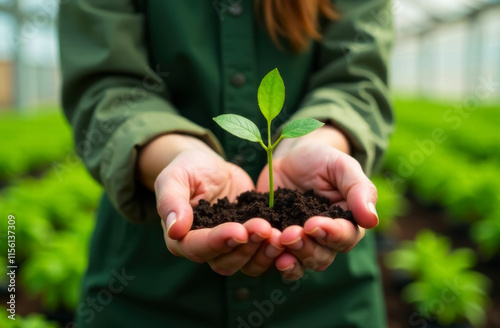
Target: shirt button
242 294
236 9
238 80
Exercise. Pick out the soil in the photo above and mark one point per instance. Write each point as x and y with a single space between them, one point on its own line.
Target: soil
290 208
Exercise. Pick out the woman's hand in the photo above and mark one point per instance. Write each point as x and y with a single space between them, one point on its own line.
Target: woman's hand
314 163
195 175
191 171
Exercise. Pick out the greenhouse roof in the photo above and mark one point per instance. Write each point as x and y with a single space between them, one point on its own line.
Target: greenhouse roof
416 16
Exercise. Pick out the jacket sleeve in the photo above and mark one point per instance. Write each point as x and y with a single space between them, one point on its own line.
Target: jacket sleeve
113 99
348 87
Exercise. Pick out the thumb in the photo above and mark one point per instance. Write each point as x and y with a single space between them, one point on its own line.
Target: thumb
172 202
359 192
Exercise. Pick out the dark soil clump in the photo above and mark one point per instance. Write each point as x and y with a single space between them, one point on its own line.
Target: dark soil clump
290 208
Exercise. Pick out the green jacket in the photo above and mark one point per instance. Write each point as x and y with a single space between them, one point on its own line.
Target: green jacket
133 70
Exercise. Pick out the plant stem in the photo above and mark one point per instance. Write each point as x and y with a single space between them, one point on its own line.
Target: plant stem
269 151
271 184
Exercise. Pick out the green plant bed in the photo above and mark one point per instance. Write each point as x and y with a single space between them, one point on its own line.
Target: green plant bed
391 203
42 209
443 278
34 320
31 142
475 134
54 220
466 188
486 233
54 272
458 171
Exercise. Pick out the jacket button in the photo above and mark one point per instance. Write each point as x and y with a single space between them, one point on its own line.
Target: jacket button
236 9
238 80
242 294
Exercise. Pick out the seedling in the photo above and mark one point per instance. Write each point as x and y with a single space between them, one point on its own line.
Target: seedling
271 97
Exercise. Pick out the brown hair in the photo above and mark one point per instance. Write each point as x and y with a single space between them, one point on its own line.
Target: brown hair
295 20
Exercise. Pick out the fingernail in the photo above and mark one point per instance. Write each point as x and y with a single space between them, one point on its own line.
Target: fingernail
296 244
171 219
372 208
288 268
272 251
317 233
233 242
257 238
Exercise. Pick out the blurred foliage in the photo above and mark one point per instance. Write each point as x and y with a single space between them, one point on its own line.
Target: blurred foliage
54 210
47 205
55 271
464 185
30 321
391 203
449 155
444 286
486 233
31 142
472 131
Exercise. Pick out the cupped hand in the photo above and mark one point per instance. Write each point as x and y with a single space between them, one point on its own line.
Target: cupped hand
201 174
332 174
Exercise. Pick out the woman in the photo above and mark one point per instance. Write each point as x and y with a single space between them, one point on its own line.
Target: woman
141 82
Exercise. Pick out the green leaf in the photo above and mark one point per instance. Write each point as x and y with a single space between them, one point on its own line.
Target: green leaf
271 94
300 127
239 126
